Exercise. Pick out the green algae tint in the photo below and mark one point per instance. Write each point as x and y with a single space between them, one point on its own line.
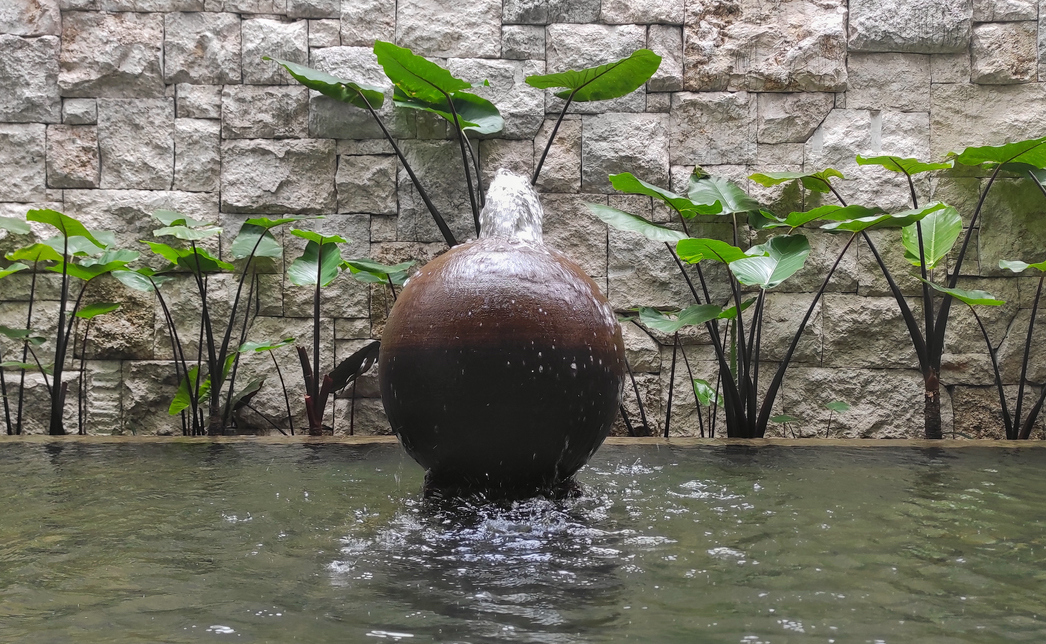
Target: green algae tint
244 542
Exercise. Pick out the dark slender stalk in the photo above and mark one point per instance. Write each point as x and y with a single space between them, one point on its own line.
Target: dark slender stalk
352 411
25 350
760 308
227 413
829 430
700 421
778 379
927 295
628 423
714 412
392 287
265 418
1027 351
465 162
286 396
1006 419
7 405
81 387
1032 415
55 422
438 218
479 176
913 327
316 329
551 138
671 382
639 400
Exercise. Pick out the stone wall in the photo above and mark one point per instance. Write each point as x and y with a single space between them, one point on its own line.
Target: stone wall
110 109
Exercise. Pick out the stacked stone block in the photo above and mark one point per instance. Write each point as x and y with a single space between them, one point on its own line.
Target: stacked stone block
112 109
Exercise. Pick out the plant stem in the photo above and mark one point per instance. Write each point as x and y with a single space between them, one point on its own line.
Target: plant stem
1027 351
700 420
548 146
438 218
286 396
639 401
3 394
25 350
671 382
56 427
1007 421
465 162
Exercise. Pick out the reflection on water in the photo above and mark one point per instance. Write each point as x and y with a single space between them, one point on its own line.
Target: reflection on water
253 543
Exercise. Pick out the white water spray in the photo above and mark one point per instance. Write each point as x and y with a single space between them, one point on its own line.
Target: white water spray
512 211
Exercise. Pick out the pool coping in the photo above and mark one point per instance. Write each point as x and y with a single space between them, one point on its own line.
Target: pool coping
613 440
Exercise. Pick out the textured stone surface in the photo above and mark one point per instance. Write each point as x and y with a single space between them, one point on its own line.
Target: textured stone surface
1004 53
1011 226
364 21
265 112
367 184
29 75
22 157
331 119
79 111
126 333
889 81
641 351
111 54
580 46
147 389
520 42
667 42
626 12
324 33
72 156
201 48
267 176
438 165
313 8
571 228
950 68
781 46
197 155
522 106
525 12
136 142
199 101
345 297
516 156
573 11
452 29
30 18
713 128
561 171
964 115
788 118
283 40
919 26
866 332
614 143
1004 10
781 317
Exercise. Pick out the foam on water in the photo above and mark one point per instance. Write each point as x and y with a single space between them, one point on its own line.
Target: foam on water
512 211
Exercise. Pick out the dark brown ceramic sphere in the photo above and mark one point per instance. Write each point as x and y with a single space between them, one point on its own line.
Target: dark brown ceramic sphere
501 366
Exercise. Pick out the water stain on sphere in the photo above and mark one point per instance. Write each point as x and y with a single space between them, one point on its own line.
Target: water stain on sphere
487 365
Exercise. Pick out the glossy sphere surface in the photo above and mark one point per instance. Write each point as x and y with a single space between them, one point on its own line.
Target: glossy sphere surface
501 366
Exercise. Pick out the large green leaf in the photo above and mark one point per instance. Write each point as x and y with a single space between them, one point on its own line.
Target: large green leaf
690 316
829 212
694 250
1030 151
940 229
96 309
24 335
35 253
318 238
75 246
784 255
14 225
66 225
92 267
475 113
175 218
169 253
339 89
186 233
200 261
257 241
248 347
898 164
731 312
366 270
269 224
414 76
27 366
814 181
704 393
705 190
13 268
604 82
627 182
622 220
1018 266
142 279
888 220
838 406
318 260
973 298
186 388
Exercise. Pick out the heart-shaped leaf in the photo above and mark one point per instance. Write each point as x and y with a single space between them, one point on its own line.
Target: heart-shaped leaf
627 182
339 89
971 297
690 316
1029 151
829 212
14 225
248 347
940 230
784 255
255 241
704 393
318 261
13 268
889 220
35 253
96 309
622 220
366 270
898 164
814 181
694 250
838 406
414 76
604 82
706 190
318 238
1018 266
186 233
475 113
66 225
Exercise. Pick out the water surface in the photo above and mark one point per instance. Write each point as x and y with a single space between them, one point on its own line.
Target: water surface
191 542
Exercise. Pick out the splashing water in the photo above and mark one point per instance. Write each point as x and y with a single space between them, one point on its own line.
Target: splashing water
513 209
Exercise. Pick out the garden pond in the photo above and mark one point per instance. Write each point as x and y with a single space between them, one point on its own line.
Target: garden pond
253 541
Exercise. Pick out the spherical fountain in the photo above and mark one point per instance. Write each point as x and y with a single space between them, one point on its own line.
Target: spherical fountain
502 364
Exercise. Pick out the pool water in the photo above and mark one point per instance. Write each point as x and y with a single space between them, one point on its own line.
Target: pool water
243 542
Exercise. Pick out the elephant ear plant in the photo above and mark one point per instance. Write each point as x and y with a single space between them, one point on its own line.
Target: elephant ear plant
318 266
211 375
928 239
75 253
420 84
